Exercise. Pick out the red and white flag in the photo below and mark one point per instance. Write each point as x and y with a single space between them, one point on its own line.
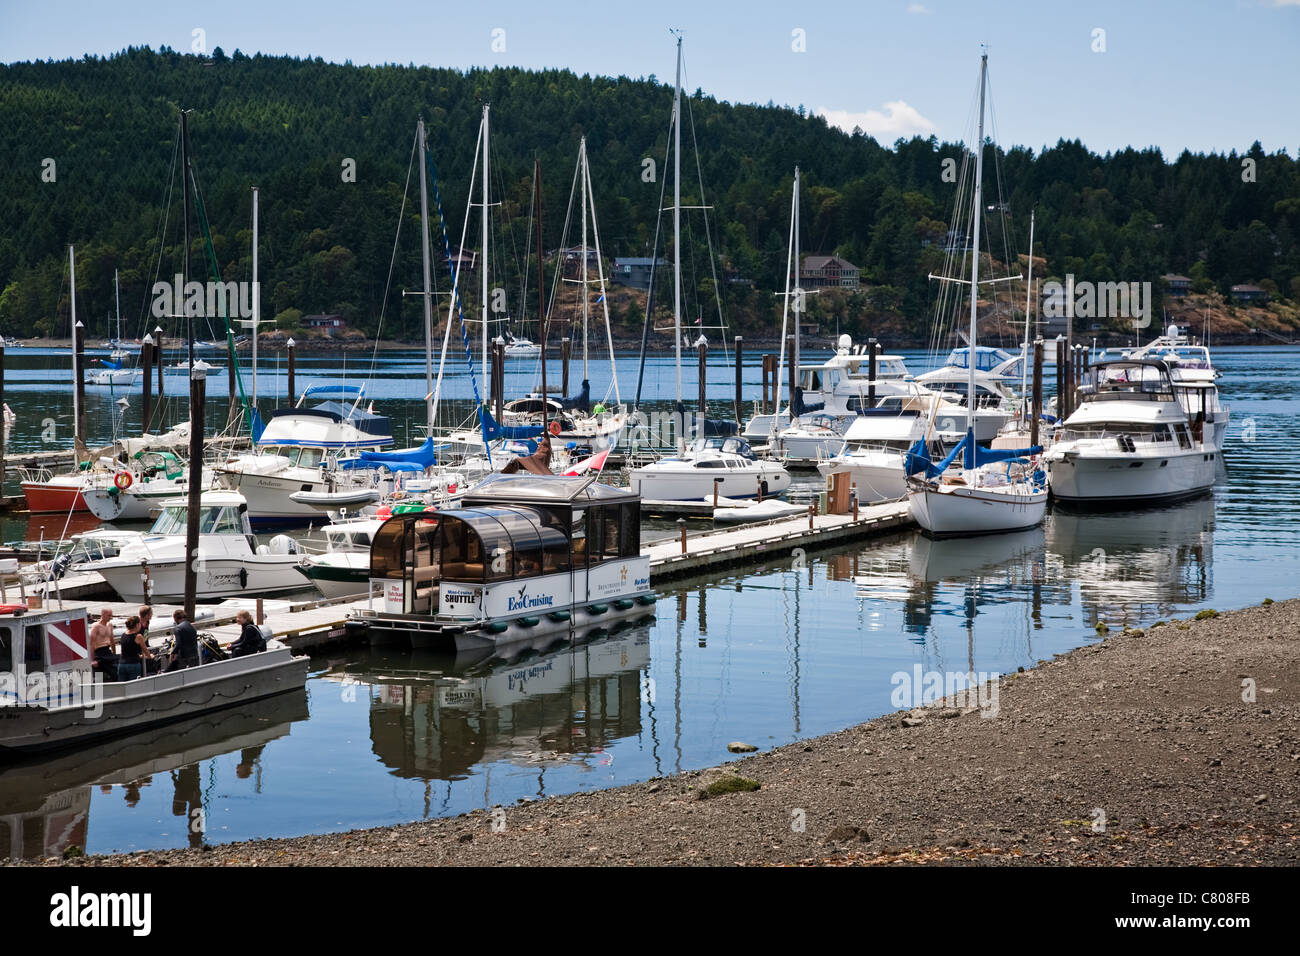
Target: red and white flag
68 641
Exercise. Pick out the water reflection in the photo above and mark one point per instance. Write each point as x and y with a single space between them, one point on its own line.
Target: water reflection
45 802
433 717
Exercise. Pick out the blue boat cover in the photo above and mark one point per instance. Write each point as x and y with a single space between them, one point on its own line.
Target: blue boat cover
918 456
418 458
492 429
581 401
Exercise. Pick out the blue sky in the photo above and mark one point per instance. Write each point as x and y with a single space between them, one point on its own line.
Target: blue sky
1198 74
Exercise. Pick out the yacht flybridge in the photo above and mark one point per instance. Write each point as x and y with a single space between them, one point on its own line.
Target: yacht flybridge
1130 440
526 557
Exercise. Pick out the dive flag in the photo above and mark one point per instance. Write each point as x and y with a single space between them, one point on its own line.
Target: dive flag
68 641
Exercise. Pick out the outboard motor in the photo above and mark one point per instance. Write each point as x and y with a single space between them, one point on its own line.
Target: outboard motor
282 544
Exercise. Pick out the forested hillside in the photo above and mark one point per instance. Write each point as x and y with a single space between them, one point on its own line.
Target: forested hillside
288 125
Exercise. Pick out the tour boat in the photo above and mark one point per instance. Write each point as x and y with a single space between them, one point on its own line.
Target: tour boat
1130 440
52 698
527 555
229 563
725 466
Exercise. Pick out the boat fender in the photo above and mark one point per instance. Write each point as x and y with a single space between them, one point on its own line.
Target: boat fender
123 480
243 578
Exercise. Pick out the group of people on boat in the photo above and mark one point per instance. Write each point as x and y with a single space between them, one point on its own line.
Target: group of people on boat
131 657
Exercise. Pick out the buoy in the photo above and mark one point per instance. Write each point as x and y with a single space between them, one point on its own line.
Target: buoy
123 480
554 428
384 512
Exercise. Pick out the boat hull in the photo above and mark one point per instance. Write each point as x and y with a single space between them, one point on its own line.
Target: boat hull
877 478
162 698
129 505
218 578
1121 479
53 497
953 510
696 484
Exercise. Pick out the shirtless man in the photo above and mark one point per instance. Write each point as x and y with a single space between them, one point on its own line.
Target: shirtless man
102 651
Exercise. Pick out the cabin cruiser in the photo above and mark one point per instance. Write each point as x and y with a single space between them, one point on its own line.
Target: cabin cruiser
1194 377
344 568
520 347
229 561
299 450
526 555
721 466
875 447
839 386
113 374
137 490
52 697
811 439
995 402
1130 440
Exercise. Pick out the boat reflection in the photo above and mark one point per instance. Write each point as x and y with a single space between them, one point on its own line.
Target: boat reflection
45 802
1134 566
436 717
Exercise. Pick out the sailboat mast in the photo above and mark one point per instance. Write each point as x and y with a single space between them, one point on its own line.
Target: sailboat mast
428 308
976 211
582 149
117 306
677 220
1029 298
77 437
484 270
798 297
185 230
257 298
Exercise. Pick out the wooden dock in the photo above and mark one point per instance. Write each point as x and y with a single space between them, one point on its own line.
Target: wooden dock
760 542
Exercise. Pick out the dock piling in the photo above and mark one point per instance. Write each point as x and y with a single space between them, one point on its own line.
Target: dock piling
740 376
1036 407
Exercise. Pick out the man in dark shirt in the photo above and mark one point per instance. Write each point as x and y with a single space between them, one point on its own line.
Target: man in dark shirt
185 651
250 636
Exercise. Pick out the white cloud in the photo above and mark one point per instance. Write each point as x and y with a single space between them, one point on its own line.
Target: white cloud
897 120
920 7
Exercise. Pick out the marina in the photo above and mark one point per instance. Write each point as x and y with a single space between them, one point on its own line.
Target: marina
567 451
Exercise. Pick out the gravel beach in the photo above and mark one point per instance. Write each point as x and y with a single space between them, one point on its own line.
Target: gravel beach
1177 744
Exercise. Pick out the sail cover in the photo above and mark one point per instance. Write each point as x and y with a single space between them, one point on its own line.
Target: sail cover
918 456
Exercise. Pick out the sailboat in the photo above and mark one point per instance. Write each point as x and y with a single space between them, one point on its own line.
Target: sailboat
991 491
115 373
721 464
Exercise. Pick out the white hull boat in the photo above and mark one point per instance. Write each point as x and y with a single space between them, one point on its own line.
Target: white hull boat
723 466
960 509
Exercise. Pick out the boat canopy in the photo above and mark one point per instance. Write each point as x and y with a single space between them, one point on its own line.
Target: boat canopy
987 358
404 459
918 456
340 392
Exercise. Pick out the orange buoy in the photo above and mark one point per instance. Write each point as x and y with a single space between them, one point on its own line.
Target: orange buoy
123 480
554 428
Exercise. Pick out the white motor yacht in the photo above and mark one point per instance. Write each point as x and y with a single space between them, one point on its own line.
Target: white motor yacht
229 564
1130 440
875 448
725 466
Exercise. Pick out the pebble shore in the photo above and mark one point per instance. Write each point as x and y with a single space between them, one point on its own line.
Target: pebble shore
1176 744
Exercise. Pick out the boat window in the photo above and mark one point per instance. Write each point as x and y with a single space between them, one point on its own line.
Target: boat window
579 538
6 650
33 653
514 551
310 457
710 463
171 521
219 521
389 553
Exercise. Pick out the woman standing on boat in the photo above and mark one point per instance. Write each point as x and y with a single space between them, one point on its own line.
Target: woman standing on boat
134 651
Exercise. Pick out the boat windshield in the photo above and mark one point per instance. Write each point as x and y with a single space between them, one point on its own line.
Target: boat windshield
213 519
733 446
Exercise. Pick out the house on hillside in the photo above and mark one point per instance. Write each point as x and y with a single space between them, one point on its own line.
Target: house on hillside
1248 293
635 272
325 323
1178 286
827 272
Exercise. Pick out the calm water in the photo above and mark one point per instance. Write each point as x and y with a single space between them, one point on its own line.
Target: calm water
765 655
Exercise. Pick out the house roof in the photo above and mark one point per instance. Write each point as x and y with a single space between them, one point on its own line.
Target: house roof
821 262
1246 287
639 261
1170 277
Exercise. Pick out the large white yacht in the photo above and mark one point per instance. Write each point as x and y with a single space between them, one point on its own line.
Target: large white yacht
1130 440
1194 378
